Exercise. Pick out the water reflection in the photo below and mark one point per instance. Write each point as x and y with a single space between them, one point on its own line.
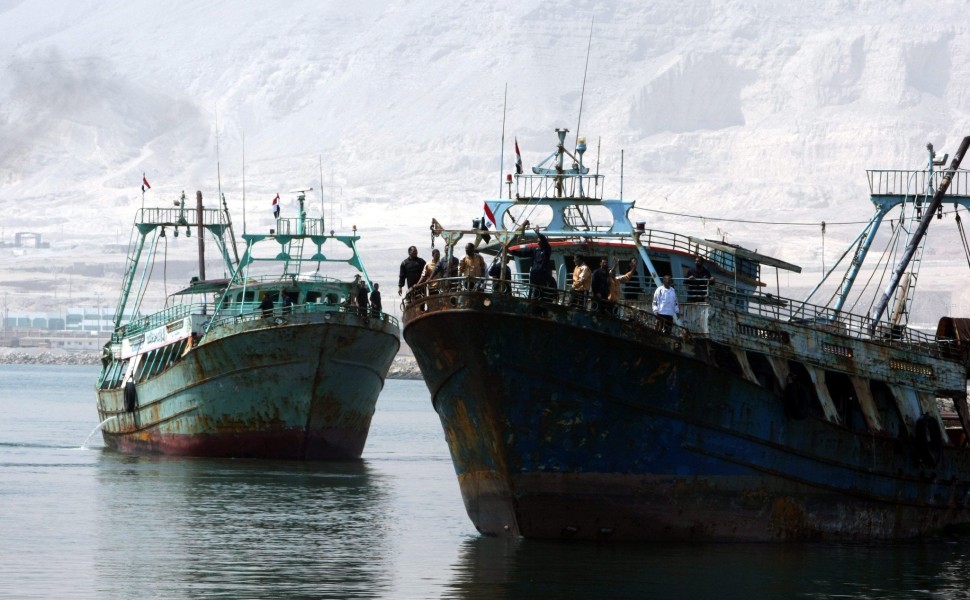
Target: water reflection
499 568
235 528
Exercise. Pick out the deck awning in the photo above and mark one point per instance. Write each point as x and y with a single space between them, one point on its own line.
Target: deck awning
746 254
203 287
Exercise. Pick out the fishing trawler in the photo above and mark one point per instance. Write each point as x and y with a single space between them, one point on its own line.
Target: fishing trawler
273 359
750 417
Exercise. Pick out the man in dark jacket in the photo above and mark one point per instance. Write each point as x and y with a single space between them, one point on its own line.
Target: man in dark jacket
601 281
361 298
411 269
501 275
699 279
540 273
375 299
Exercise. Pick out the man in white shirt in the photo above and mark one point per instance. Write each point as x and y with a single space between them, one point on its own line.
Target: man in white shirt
665 304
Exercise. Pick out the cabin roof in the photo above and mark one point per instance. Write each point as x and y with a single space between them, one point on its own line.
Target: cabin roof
740 252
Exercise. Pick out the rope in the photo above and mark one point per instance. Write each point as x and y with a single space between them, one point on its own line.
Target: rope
963 238
786 223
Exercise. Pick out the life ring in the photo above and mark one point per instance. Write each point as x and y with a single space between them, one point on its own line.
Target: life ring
131 396
798 399
928 440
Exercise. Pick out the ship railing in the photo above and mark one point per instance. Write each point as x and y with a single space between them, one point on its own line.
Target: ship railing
655 239
520 288
180 216
566 187
637 306
292 227
236 312
823 318
915 183
259 280
157 319
249 311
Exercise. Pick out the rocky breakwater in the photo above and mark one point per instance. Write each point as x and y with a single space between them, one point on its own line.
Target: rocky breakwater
39 356
403 367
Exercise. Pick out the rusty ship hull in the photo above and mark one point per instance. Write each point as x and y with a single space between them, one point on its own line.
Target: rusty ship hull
300 387
563 423
284 358
669 396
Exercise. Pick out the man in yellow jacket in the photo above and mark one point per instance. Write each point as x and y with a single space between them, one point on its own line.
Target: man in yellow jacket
582 280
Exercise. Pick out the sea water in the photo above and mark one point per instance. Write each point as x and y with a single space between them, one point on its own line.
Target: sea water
80 521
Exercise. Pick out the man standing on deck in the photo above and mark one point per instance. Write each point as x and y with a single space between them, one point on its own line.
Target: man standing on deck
375 300
411 269
427 274
698 281
600 284
665 304
361 297
540 273
582 281
617 280
501 275
472 267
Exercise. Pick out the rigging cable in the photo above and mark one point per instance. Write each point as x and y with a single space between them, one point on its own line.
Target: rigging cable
963 239
891 243
752 222
165 270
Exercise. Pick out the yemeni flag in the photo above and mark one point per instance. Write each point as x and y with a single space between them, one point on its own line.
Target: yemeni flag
518 158
488 217
276 207
144 184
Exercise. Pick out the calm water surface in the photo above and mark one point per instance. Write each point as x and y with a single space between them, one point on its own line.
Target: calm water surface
85 522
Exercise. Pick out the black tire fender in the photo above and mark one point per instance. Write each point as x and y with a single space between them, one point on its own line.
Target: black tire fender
131 396
798 399
928 440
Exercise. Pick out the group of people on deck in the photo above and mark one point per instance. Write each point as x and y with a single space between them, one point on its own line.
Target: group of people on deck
362 300
416 272
665 304
360 296
601 286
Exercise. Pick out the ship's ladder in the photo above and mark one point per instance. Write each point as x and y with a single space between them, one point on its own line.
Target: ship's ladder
905 296
294 251
136 245
575 217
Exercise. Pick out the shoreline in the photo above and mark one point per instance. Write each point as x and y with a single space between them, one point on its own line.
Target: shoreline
403 367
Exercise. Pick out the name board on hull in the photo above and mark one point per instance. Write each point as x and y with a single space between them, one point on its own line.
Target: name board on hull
156 338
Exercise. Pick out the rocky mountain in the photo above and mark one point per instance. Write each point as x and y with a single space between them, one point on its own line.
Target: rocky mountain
749 121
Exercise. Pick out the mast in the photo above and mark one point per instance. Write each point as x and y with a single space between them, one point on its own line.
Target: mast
201 218
501 157
917 237
582 95
232 235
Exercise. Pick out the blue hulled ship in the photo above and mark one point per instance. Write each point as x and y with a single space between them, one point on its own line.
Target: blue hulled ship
750 416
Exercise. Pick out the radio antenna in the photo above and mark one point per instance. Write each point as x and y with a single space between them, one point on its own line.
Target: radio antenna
501 159
244 179
582 95
218 167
